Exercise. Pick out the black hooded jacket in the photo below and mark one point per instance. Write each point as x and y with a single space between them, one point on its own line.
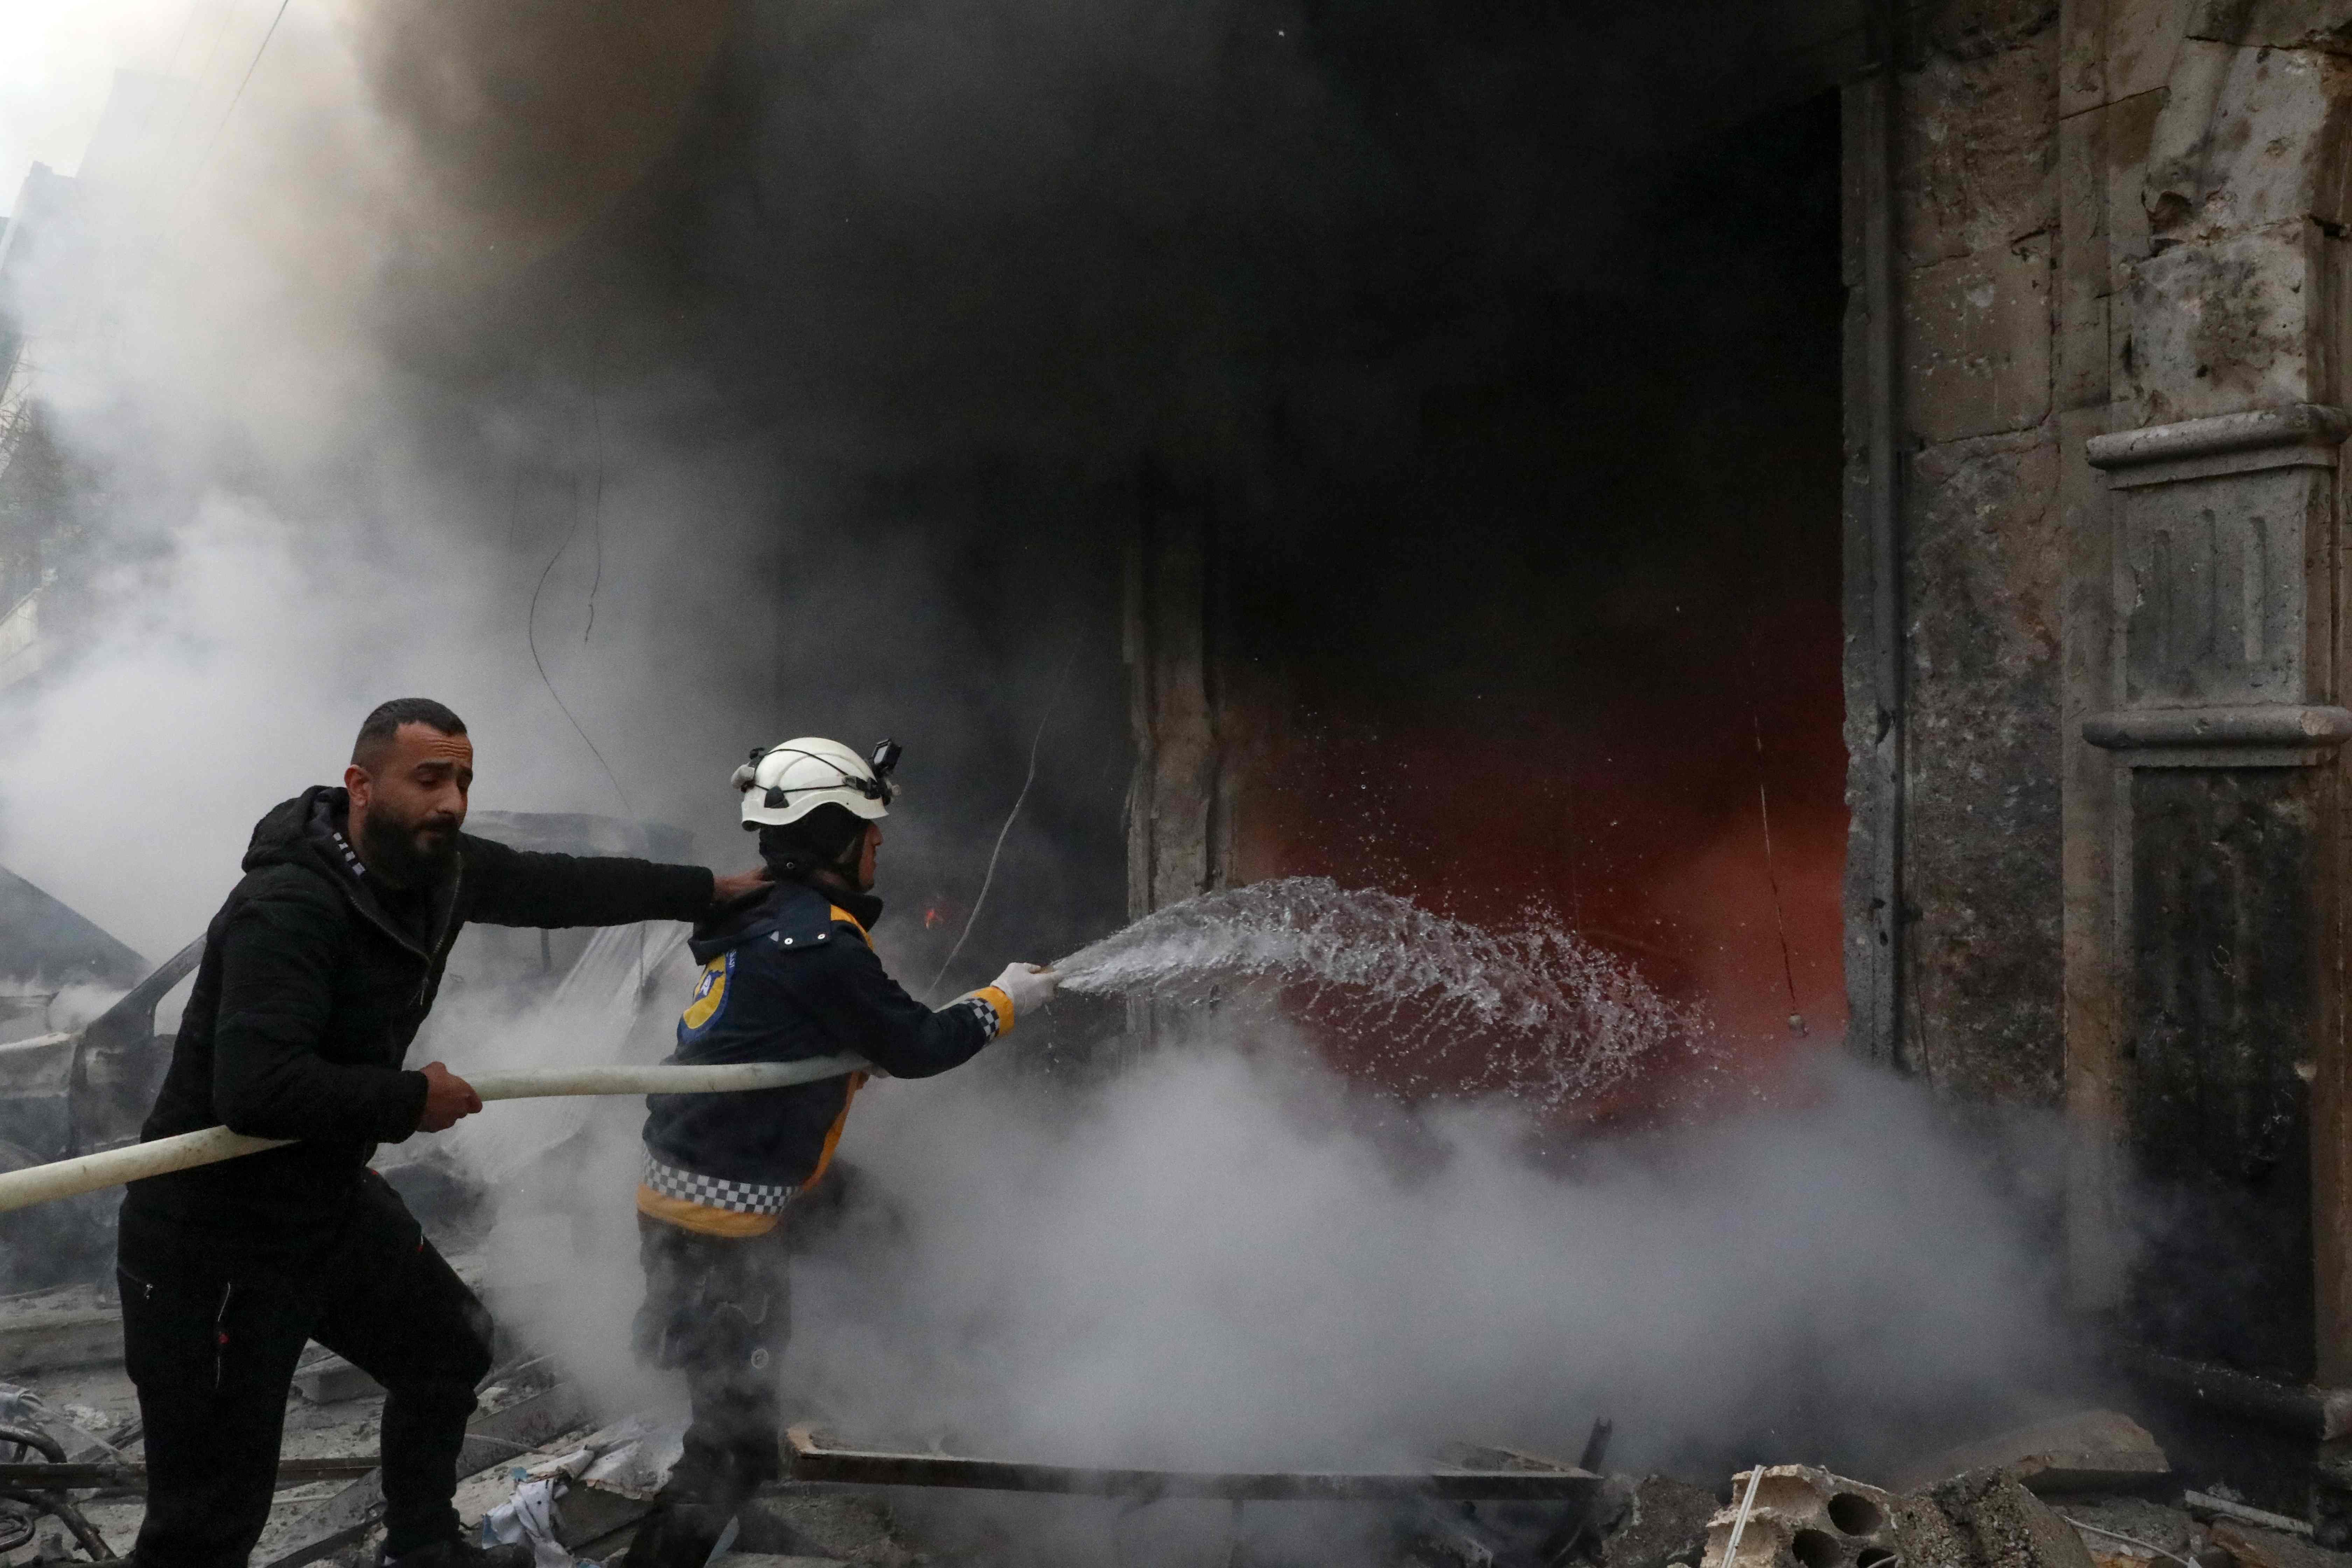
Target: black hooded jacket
791 977
306 1000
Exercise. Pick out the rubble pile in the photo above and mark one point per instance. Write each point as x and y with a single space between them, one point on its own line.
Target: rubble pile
2092 1491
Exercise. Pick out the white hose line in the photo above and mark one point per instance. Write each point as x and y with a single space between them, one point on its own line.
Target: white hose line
134 1162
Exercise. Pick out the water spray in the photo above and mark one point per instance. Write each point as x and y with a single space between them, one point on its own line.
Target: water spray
1560 1018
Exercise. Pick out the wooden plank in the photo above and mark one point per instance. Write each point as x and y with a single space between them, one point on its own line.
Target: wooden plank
815 1460
38 1341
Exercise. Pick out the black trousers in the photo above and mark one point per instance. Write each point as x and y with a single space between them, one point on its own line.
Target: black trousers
718 1308
212 1342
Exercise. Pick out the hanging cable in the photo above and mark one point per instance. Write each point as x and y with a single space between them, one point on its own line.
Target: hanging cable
531 637
238 96
990 877
595 501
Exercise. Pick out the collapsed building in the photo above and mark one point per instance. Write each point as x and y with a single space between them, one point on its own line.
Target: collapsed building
1851 530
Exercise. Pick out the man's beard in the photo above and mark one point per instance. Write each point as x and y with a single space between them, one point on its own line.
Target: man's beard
392 850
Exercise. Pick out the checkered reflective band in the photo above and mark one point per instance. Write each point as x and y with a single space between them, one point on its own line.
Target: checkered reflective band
716 1191
979 1009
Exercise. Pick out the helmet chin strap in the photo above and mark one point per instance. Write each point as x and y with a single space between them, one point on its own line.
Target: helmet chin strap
800 864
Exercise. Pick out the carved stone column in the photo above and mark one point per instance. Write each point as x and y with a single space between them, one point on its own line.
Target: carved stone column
2226 873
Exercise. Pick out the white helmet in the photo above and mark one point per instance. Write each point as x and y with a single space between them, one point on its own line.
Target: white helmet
784 783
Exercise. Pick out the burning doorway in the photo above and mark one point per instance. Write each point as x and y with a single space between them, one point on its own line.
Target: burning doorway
1533 605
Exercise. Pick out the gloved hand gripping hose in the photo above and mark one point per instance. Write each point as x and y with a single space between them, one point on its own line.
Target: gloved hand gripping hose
1029 985
39 1183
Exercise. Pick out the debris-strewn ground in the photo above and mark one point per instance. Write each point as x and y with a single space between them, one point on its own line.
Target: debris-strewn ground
2090 1490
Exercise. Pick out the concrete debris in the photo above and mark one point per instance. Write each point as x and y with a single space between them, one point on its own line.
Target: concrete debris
1439 1543
2091 1452
332 1380
2248 1546
828 1526
1985 1518
1820 1519
74 1325
2134 1533
1664 1525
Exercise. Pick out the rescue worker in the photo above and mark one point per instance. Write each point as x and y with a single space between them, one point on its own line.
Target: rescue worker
316 974
791 976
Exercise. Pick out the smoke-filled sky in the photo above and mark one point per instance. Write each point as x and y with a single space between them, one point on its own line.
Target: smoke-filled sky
756 370
292 512
54 76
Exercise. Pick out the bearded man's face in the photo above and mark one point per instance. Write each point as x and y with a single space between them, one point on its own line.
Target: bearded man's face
412 803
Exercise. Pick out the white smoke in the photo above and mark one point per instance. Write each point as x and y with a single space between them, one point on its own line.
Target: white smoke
1213 1260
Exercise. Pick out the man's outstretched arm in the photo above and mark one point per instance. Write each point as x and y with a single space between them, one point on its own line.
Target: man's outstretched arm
518 888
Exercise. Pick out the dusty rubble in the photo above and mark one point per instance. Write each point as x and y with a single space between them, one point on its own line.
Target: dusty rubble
2092 1491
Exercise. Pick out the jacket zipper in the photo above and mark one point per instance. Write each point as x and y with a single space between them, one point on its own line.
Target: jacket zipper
220 1334
456 888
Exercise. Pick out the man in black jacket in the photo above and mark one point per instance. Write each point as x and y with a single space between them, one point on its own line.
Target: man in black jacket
789 977
317 973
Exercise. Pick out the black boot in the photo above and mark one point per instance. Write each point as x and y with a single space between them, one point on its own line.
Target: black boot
459 1554
678 1535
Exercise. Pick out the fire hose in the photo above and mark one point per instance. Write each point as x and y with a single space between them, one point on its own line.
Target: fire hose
135 1161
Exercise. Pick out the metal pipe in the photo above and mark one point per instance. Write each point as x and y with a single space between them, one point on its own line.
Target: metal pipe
120 1477
813 1458
2322 1415
136 1161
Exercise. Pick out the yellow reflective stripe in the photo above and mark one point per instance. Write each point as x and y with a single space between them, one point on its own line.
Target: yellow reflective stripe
855 923
855 1081
701 1219
1000 1003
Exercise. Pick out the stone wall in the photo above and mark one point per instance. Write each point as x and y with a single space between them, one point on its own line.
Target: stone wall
2116 235
1973 231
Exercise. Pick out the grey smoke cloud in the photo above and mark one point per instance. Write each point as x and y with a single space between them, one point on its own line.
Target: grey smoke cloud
1211 1261
1222 1256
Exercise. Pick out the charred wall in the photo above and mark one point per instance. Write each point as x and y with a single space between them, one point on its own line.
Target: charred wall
1982 554
2109 591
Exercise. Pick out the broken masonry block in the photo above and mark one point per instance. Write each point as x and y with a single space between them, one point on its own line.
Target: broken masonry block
2097 1451
332 1380
1984 1518
1664 1521
2250 1546
1805 1515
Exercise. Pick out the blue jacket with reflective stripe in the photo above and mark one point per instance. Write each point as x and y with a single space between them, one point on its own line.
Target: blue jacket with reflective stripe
790 977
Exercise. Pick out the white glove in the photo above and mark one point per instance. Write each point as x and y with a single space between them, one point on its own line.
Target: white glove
1030 985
